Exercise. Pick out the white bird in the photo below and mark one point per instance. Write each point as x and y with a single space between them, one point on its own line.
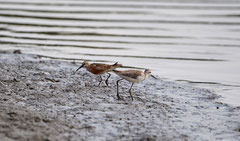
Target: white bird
133 76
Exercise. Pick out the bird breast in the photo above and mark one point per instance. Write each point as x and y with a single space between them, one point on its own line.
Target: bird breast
94 70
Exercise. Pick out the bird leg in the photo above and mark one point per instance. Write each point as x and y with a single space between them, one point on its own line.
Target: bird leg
106 81
130 91
100 80
117 88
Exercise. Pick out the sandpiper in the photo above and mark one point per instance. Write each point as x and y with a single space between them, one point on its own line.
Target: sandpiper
133 76
99 69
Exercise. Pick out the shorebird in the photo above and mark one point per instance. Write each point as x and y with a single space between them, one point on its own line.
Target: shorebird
99 69
133 76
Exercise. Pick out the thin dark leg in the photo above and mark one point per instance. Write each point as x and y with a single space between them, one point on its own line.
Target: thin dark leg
130 91
100 80
117 88
107 79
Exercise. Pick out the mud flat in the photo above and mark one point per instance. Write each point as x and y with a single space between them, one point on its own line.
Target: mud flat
41 100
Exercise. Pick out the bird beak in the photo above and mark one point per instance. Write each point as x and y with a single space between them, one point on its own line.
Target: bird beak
153 77
78 69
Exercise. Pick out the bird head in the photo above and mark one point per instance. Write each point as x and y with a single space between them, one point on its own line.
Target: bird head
83 65
147 71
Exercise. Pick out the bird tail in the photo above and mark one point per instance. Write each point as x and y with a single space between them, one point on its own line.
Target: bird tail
116 65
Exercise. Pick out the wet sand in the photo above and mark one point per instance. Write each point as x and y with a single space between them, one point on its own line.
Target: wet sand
40 100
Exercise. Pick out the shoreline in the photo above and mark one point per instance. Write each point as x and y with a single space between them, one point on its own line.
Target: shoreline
42 100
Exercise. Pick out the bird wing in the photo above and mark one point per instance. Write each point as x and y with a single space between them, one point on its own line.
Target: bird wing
131 73
100 67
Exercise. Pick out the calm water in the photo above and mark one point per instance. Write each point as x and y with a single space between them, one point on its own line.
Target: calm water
189 42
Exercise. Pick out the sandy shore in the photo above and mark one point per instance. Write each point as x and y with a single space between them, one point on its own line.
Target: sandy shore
41 100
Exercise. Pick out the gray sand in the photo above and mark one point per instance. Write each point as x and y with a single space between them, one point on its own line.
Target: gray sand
41 100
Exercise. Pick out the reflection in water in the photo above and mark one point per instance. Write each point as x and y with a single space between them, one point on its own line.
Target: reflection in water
197 43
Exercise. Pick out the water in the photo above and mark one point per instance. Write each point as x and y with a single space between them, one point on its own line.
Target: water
188 42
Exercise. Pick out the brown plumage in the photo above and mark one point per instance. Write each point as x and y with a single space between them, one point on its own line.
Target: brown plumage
96 68
99 69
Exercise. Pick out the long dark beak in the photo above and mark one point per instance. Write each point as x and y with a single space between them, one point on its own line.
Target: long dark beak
78 69
153 77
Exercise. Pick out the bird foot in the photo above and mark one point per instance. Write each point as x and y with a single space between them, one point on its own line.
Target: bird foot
130 98
120 98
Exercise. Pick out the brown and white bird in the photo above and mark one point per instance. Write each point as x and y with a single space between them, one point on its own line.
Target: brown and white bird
99 69
133 76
